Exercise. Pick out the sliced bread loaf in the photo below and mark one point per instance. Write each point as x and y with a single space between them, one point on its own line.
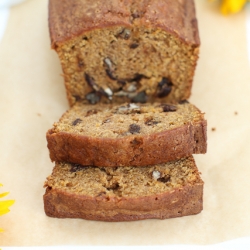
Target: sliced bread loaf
127 135
161 191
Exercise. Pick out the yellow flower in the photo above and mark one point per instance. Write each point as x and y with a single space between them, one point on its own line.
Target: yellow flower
4 205
232 6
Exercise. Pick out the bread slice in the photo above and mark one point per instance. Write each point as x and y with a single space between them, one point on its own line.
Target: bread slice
161 191
127 135
125 51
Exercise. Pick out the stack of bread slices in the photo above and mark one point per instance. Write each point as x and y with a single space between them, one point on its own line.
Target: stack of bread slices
123 151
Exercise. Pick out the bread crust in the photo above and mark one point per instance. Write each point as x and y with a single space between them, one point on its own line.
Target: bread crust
177 203
68 20
133 150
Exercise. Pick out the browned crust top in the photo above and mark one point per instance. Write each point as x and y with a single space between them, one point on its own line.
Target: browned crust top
68 19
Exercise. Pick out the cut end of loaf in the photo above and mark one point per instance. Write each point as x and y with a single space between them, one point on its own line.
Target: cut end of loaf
125 51
127 64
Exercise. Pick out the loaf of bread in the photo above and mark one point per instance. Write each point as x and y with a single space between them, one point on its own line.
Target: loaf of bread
127 135
161 191
125 50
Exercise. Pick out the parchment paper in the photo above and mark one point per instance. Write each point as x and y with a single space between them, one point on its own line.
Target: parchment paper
32 97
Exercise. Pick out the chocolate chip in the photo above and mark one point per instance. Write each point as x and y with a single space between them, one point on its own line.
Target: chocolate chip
77 167
102 92
168 108
101 193
140 97
80 63
75 122
93 97
133 45
164 87
110 74
121 82
183 102
125 34
136 15
114 186
149 121
91 82
134 128
77 98
164 179
137 78
109 68
91 112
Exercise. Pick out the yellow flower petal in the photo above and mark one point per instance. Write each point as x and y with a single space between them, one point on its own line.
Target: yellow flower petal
4 194
232 6
4 211
6 204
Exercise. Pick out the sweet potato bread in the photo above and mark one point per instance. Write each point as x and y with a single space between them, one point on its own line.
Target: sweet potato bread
125 50
128 134
162 191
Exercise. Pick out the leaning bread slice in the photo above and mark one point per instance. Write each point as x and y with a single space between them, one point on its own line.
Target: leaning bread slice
127 135
160 191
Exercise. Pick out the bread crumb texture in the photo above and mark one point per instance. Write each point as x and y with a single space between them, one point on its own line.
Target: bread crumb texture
123 120
126 182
